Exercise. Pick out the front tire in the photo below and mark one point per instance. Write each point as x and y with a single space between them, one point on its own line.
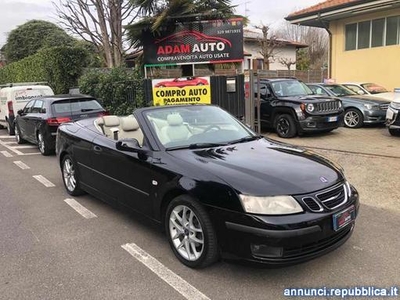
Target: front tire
70 176
285 126
190 232
394 132
18 136
353 118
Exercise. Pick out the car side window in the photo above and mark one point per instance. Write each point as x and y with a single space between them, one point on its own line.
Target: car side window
28 107
37 107
355 89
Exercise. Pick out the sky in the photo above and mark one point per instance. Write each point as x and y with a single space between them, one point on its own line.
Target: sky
266 12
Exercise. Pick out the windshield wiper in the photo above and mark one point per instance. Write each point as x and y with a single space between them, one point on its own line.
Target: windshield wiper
246 139
87 109
197 146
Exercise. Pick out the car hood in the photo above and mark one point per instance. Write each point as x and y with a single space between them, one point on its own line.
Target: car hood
264 167
307 98
367 99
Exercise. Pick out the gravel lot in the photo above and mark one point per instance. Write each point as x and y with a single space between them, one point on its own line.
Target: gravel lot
370 157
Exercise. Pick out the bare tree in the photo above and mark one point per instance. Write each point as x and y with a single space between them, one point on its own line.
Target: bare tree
287 62
98 22
269 43
316 39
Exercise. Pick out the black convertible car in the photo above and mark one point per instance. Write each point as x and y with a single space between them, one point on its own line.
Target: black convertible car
216 187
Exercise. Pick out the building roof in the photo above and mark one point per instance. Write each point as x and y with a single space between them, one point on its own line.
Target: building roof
253 35
321 14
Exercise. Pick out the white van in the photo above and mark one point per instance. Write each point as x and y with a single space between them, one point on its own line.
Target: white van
14 96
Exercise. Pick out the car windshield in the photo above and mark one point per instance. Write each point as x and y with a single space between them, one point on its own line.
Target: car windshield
340 90
287 88
374 88
196 126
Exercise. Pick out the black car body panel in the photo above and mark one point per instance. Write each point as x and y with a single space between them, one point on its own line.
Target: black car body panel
145 181
328 113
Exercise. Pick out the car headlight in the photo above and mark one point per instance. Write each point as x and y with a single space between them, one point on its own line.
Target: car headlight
275 205
395 105
348 187
372 106
310 107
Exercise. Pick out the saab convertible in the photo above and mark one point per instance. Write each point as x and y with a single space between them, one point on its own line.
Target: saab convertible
215 187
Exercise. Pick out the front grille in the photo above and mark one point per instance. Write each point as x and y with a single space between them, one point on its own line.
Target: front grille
327 106
312 204
383 106
333 197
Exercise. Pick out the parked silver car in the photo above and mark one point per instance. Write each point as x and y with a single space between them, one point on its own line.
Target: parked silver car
359 110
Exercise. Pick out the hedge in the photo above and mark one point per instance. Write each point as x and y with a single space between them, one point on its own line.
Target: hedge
60 67
120 90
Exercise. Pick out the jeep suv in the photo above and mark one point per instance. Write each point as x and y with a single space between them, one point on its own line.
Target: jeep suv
291 108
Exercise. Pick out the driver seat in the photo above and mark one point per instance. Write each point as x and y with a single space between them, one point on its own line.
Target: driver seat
175 130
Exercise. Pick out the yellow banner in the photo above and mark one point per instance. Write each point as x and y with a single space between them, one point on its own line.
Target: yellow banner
164 93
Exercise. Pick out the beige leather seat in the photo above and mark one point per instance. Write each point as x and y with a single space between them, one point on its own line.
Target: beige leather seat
175 130
130 129
111 126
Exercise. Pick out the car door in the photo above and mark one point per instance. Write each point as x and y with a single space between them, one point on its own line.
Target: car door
266 105
34 118
22 120
122 176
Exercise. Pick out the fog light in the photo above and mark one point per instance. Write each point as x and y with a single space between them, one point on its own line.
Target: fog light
266 251
311 124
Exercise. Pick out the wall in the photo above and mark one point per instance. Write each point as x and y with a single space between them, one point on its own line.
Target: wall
379 65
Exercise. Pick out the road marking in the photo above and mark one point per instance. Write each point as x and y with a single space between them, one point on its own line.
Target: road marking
83 211
21 165
180 285
6 154
25 147
11 148
43 180
7 137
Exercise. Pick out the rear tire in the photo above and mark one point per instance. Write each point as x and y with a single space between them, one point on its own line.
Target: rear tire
190 232
10 128
70 176
285 126
43 145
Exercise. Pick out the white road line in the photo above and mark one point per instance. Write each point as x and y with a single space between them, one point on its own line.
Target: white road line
6 153
43 180
25 154
7 137
180 285
21 165
83 211
11 148
25 147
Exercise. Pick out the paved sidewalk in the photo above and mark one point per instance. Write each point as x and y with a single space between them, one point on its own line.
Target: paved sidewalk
366 140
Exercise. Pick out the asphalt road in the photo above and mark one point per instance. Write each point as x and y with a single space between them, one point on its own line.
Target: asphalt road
50 251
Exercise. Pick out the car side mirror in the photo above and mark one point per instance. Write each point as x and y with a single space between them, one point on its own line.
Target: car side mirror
360 92
20 112
130 145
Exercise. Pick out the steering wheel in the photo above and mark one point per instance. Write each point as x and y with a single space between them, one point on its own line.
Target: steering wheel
209 127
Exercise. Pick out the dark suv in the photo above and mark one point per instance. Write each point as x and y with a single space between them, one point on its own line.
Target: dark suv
289 106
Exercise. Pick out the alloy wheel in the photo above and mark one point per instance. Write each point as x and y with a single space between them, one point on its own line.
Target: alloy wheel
69 175
17 137
351 119
283 126
186 233
41 143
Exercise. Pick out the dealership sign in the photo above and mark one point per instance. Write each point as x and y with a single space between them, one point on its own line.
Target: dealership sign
187 90
201 42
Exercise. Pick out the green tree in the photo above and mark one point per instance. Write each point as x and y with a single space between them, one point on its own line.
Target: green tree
156 14
32 36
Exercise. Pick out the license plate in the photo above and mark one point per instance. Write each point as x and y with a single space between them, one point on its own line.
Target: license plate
344 218
389 114
332 119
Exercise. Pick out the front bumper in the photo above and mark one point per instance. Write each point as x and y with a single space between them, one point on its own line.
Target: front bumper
282 240
374 116
320 123
393 118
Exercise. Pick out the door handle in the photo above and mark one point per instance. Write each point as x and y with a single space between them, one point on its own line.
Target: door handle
97 149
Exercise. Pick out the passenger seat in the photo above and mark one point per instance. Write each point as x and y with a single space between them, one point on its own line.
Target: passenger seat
130 129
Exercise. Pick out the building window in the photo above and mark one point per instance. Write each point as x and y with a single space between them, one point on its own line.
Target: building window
378 27
392 31
372 33
364 31
351 36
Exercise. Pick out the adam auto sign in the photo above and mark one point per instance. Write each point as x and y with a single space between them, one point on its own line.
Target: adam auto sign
201 42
